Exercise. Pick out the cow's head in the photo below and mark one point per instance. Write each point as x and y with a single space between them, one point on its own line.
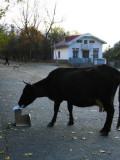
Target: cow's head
28 95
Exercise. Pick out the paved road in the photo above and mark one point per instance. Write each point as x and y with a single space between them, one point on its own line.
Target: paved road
79 142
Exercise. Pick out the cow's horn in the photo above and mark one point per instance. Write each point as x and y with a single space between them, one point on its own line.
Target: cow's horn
26 83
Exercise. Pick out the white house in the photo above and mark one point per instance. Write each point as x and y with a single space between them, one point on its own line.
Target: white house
84 48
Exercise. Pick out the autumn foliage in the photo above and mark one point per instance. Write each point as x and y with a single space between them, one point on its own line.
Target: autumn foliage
31 36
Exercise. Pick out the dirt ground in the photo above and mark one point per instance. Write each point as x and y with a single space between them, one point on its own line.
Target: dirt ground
81 141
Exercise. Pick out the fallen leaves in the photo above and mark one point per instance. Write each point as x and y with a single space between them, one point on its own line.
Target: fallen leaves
7 158
73 132
2 152
91 132
94 153
86 158
101 151
109 152
74 137
116 137
118 129
83 138
23 130
28 154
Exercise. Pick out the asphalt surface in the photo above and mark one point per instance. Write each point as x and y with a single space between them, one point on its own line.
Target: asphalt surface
81 141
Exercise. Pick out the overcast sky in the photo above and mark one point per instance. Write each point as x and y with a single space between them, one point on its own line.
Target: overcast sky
98 17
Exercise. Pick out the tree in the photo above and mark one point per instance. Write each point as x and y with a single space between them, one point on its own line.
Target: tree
5 5
57 34
35 26
33 43
43 19
3 38
32 37
112 53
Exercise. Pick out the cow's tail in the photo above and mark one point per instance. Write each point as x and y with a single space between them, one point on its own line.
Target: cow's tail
118 124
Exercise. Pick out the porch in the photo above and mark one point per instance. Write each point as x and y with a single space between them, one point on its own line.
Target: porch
80 62
86 61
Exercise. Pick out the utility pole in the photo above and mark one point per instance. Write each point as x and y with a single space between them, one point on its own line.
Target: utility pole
55 54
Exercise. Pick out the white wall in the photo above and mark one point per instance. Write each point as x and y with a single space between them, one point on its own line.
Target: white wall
64 53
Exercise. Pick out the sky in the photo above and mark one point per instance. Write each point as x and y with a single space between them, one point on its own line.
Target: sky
98 17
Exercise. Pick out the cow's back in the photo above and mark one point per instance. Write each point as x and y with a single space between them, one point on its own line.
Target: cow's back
77 85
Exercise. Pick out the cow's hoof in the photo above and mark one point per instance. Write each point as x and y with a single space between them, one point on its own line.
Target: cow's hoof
70 123
50 124
104 133
14 124
118 128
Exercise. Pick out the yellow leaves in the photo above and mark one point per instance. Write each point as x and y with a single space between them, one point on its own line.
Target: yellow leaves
116 137
86 158
73 132
7 158
91 132
83 138
118 129
15 129
23 130
101 151
94 153
28 154
1 137
74 137
109 152
2 152
70 149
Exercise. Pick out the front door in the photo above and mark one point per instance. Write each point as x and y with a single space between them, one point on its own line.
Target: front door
85 54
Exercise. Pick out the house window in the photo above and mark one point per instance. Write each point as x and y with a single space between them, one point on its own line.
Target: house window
79 41
58 54
85 54
85 41
95 52
91 41
75 52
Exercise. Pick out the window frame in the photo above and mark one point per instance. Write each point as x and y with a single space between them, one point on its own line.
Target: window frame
85 41
75 52
95 52
79 41
92 41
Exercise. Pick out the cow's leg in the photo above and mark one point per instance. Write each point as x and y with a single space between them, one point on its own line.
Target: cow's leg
107 126
118 124
56 109
70 108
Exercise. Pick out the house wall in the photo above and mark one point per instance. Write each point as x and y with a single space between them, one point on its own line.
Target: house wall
67 52
90 46
64 53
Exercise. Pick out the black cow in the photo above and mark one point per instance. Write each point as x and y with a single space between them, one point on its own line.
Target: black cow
81 87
